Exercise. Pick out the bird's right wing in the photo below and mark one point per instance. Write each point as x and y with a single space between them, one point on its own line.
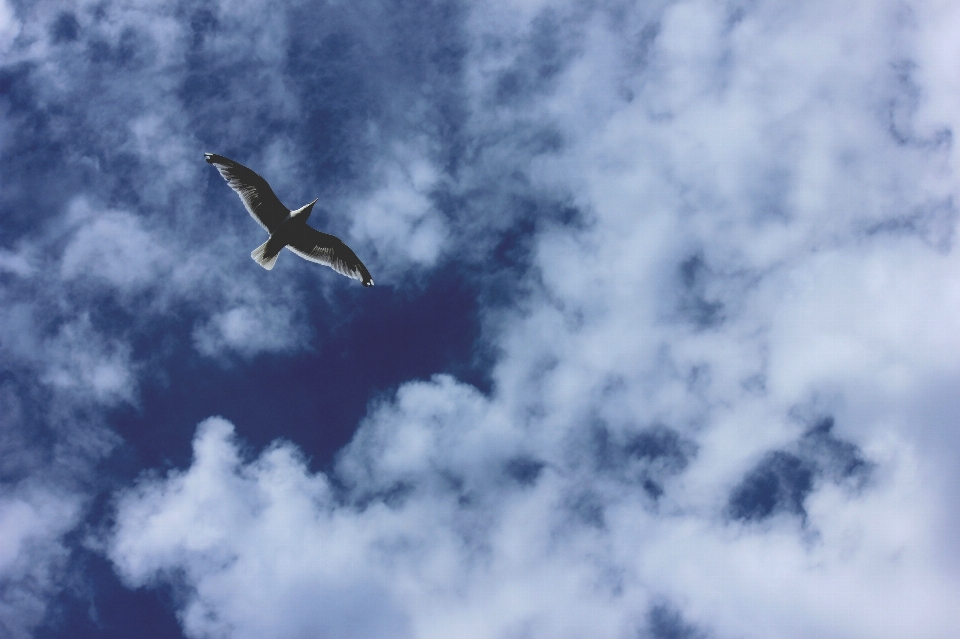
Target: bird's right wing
256 194
323 248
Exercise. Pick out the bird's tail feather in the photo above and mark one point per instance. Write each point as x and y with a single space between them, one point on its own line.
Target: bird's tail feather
261 257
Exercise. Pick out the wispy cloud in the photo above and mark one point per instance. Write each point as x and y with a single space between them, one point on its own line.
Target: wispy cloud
32 553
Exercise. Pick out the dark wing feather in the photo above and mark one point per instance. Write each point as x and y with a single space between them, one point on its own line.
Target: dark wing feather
323 248
256 194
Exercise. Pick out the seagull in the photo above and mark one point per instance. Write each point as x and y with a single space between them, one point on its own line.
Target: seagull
286 228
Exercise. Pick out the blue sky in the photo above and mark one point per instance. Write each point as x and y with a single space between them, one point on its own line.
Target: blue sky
664 342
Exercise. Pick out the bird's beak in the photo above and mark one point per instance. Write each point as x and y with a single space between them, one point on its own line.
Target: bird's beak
303 213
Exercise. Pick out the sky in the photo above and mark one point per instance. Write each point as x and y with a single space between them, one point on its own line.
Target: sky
664 342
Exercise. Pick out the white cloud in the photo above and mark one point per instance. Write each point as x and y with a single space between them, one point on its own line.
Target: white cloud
249 330
115 240
32 520
115 247
9 26
398 217
16 262
150 270
765 243
180 524
82 361
77 359
266 548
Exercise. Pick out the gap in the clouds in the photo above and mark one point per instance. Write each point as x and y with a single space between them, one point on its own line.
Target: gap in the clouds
103 608
316 397
782 480
666 622
694 303
502 269
98 605
649 456
21 429
28 191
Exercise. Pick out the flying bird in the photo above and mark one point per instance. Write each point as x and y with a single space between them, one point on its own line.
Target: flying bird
286 228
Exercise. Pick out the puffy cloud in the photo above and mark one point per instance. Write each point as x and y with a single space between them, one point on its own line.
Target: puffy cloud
441 533
399 217
177 526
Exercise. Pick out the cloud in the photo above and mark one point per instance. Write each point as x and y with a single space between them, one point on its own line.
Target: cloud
438 537
249 330
117 252
178 528
702 420
399 217
32 555
84 363
9 26
715 246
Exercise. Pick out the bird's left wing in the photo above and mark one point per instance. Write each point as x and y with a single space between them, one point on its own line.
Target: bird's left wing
330 250
257 196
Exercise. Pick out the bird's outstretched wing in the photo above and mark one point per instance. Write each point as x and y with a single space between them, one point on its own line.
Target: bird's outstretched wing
256 194
323 248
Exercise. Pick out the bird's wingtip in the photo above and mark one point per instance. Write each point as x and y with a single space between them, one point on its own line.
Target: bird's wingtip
208 157
368 282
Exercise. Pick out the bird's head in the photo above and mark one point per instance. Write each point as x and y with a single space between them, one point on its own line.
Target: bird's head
303 213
